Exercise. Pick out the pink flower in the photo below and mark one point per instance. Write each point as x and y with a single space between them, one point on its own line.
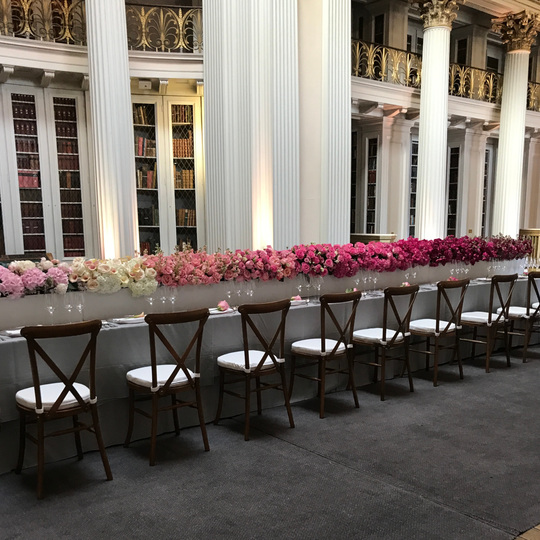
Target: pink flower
223 306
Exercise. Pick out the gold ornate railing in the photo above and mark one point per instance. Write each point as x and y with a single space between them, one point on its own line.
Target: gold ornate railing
62 21
533 96
164 29
474 83
386 64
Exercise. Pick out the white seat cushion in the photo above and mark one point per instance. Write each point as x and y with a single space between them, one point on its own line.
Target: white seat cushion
478 317
429 325
535 305
313 346
516 311
374 335
143 375
49 394
236 360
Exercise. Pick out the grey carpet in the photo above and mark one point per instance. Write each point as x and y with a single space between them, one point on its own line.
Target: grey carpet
457 461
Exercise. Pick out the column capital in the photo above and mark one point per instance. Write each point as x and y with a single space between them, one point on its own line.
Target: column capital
518 30
438 12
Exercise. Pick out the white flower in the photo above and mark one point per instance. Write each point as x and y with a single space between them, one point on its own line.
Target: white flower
61 288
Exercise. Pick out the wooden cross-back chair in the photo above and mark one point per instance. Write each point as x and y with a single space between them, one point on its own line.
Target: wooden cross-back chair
528 315
393 333
249 364
160 380
326 353
64 398
494 323
446 324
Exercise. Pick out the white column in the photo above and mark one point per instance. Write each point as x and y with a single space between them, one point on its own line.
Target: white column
531 217
519 31
399 177
251 123
432 137
472 191
112 127
325 120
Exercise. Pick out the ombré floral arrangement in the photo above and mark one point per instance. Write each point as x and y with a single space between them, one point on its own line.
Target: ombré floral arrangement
142 275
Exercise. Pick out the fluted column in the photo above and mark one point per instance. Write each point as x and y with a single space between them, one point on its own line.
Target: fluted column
325 120
432 138
112 127
251 123
518 32
531 218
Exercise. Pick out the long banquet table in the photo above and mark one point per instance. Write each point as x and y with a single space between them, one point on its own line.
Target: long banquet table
124 347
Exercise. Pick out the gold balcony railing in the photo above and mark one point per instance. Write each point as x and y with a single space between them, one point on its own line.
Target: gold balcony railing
61 21
149 28
533 96
164 29
385 64
474 83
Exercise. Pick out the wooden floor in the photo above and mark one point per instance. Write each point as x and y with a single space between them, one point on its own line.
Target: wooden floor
532 534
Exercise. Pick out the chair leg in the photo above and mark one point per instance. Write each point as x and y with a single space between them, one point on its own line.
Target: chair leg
526 338
175 415
220 399
322 384
457 351
383 372
247 408
99 439
22 442
77 434
436 362
131 417
474 335
201 415
291 381
286 395
407 363
153 434
428 346
351 384
41 455
259 401
489 346
507 343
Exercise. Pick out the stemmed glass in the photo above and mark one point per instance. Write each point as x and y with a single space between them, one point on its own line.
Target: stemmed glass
151 302
50 306
172 297
315 283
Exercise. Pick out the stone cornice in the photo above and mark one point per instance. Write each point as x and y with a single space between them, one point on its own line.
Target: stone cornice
438 12
518 30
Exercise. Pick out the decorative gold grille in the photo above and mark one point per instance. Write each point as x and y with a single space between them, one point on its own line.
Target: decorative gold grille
474 83
386 64
533 96
62 21
164 29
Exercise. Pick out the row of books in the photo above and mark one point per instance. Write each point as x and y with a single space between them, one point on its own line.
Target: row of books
70 180
71 210
182 114
32 226
72 226
148 216
68 162
25 128
26 145
146 178
28 162
184 179
66 147
140 115
34 243
29 180
145 248
183 147
185 217
72 195
31 209
145 147
73 242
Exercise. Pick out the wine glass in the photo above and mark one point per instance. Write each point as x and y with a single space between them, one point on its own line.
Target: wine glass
50 306
315 283
172 292
151 301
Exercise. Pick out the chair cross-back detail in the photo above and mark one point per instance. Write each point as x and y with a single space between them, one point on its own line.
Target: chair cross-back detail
168 380
528 315
446 324
385 338
64 398
500 291
326 353
250 364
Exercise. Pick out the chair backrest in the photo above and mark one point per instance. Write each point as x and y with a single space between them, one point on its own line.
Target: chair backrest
451 304
155 323
502 295
264 312
328 301
399 311
34 336
533 295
